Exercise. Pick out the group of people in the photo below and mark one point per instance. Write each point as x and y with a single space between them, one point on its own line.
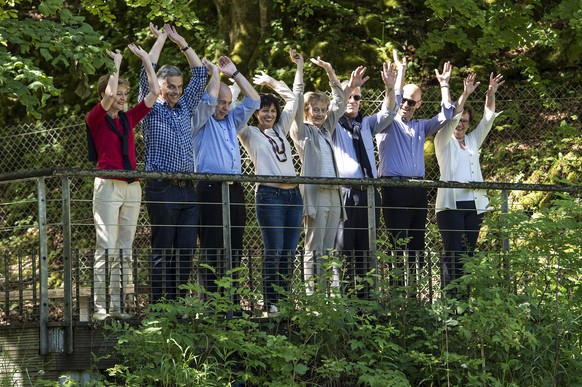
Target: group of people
199 127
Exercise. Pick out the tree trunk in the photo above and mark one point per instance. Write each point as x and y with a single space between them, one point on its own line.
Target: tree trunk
243 24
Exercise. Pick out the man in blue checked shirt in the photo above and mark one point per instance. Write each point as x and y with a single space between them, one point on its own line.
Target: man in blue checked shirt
217 151
167 133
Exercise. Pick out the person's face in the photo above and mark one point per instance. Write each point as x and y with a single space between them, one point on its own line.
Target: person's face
353 106
462 127
316 113
411 100
224 102
266 116
120 99
171 89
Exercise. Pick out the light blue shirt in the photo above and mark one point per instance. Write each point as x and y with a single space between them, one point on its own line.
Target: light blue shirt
401 144
216 146
343 144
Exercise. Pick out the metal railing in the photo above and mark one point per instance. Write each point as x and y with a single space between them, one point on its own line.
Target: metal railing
47 275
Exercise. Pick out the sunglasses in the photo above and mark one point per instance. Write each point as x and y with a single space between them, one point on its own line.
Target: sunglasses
410 102
356 97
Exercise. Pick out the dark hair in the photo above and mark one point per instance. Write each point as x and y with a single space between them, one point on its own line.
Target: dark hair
469 109
168 71
266 101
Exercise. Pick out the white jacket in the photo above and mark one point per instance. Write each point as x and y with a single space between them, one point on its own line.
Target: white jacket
448 149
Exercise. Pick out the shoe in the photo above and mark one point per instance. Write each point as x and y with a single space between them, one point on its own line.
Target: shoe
100 315
273 310
118 315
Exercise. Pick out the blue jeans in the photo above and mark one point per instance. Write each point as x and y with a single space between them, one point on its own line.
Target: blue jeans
173 216
279 214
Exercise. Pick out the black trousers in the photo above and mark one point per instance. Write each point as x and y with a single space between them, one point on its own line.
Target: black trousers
352 239
405 211
210 231
460 230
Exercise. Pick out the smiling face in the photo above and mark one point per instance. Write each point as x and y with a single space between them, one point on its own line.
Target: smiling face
353 106
224 102
266 117
120 99
411 100
462 127
171 89
316 113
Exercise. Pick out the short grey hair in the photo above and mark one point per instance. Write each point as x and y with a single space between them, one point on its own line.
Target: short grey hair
168 71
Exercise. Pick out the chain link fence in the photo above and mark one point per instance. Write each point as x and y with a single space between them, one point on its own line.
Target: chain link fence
528 121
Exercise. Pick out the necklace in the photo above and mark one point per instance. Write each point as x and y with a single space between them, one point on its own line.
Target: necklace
279 153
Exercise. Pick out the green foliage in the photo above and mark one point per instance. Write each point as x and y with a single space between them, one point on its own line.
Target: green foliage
519 325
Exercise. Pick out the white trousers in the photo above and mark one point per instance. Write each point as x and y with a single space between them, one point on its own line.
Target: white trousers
320 233
116 206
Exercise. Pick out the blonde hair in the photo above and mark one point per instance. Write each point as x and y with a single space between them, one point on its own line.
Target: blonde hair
104 80
313 97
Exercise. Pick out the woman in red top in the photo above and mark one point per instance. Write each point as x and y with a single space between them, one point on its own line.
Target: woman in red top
116 202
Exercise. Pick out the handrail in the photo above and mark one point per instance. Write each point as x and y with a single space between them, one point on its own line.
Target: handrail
379 182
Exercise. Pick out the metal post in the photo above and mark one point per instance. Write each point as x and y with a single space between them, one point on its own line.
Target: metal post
43 266
372 232
67 264
227 248
504 238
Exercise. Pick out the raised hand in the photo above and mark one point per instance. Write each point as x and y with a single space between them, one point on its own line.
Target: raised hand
211 67
156 32
357 78
469 84
116 56
226 66
494 83
388 75
295 56
174 35
400 66
139 52
264 79
446 74
321 63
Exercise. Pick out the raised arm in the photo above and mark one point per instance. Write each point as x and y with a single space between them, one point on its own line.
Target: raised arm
327 67
191 56
401 67
444 79
154 87
357 79
494 83
111 90
161 37
469 86
229 69
298 60
389 79
213 86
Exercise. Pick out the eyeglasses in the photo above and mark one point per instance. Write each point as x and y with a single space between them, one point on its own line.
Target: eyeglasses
356 97
408 101
462 121
317 110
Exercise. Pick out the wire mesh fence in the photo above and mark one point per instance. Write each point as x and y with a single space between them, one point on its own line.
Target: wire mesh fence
528 119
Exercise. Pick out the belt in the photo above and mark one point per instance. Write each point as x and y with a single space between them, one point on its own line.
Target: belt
356 187
403 178
180 183
218 182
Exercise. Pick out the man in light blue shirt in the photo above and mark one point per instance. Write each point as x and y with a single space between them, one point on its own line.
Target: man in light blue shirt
353 145
217 151
401 151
